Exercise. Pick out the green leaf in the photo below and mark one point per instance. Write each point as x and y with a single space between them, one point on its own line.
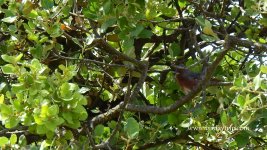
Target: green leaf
33 14
53 110
44 110
27 8
170 12
16 88
131 128
174 49
257 82
2 2
66 91
3 141
68 117
242 139
151 98
6 110
106 7
18 58
27 120
182 3
43 39
208 38
41 129
51 125
263 21
76 124
76 41
2 99
145 34
11 122
10 19
38 120
83 90
250 100
90 13
9 59
224 118
82 113
55 30
47 4
128 47
172 118
13 29
33 37
238 82
151 13
137 30
22 140
9 69
187 123
106 95
108 23
68 135
123 22
241 100
58 121
99 130
264 69
200 20
13 139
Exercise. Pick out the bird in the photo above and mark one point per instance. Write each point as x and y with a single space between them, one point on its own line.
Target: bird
186 78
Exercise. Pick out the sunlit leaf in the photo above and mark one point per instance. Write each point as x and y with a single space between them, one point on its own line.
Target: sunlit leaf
13 139
224 118
2 98
209 31
187 123
257 82
10 19
11 122
264 69
3 141
132 128
241 100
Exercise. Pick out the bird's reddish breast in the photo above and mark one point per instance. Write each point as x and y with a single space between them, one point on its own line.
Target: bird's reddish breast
186 80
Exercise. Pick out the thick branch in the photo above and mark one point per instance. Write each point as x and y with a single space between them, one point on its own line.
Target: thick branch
248 44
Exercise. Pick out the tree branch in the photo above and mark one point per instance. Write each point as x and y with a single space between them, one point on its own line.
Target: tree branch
188 97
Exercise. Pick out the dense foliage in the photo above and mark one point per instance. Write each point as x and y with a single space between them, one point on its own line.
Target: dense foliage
99 74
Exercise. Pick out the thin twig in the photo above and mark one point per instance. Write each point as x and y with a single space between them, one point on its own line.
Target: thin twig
91 60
